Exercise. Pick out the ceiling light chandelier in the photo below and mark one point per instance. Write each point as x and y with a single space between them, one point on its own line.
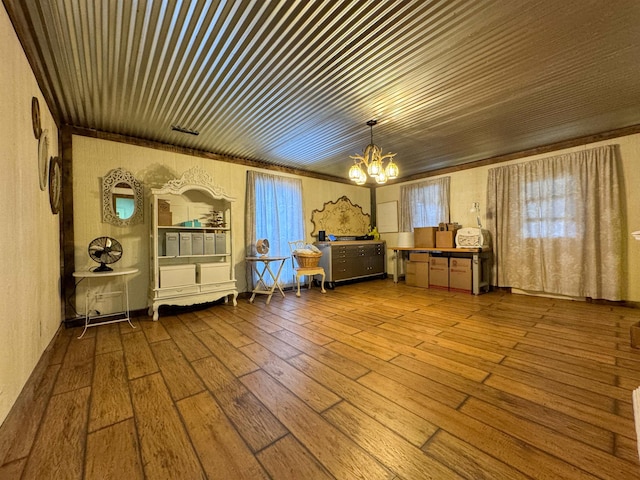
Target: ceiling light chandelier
371 162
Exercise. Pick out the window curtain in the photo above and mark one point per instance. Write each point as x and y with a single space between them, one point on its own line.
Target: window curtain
424 204
274 211
557 224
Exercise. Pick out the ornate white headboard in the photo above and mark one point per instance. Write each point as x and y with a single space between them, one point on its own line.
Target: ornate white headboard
341 218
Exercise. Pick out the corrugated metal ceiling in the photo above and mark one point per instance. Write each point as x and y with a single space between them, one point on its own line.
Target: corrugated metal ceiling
293 83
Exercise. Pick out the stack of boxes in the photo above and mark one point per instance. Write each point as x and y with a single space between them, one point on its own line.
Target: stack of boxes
435 270
417 270
417 267
439 273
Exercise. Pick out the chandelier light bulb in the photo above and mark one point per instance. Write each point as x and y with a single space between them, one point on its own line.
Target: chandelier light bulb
355 172
382 177
374 168
392 170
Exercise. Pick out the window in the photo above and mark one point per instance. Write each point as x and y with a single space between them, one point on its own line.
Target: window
557 224
550 211
426 211
424 204
274 212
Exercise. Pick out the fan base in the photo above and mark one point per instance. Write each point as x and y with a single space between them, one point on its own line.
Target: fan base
103 268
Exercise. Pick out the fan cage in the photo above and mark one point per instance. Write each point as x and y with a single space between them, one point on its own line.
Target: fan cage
106 246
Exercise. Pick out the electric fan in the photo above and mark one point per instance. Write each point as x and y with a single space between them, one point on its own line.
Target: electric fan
262 246
105 250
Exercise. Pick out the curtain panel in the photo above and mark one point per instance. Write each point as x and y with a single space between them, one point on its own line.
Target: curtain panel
274 211
424 204
557 225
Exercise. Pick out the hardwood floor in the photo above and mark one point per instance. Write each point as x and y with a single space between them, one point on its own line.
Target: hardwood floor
372 380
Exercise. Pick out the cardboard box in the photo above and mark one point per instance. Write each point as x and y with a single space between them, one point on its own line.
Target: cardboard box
446 239
163 206
213 272
460 275
165 219
177 275
418 257
164 214
424 237
417 274
439 273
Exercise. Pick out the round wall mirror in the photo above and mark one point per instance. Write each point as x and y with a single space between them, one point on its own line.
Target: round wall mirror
122 198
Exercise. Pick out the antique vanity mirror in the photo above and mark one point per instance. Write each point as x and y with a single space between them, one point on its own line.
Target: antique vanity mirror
122 198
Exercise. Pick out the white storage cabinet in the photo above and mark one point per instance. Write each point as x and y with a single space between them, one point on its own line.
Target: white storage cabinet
191 243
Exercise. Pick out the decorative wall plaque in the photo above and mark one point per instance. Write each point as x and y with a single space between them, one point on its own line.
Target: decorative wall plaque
341 218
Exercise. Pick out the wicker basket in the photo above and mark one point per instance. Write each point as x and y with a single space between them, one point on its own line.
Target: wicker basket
307 260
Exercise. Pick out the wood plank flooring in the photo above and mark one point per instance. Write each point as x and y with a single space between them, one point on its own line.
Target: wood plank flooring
373 380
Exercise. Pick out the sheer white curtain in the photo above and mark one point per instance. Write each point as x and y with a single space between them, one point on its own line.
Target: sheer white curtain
557 224
424 204
274 211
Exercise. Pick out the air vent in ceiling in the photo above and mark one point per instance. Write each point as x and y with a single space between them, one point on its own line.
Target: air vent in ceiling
180 129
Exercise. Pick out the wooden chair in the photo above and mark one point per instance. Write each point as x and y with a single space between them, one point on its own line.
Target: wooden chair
303 271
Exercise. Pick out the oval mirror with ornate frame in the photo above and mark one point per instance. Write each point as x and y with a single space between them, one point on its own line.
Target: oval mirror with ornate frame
122 198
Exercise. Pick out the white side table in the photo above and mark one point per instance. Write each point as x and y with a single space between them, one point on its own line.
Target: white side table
109 317
261 286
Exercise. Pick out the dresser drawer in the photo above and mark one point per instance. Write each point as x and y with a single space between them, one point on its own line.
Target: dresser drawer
177 291
214 287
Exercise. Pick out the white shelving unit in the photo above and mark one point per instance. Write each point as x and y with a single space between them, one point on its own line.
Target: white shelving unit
191 243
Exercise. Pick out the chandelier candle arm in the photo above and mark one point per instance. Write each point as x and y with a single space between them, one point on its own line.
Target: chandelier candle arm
371 163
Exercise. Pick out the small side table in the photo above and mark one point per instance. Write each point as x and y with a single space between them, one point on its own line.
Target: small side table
109 317
261 286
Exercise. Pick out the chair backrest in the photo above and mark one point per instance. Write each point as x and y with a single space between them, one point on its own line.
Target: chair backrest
293 246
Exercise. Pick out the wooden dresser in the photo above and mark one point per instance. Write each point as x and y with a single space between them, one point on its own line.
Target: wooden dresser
350 260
